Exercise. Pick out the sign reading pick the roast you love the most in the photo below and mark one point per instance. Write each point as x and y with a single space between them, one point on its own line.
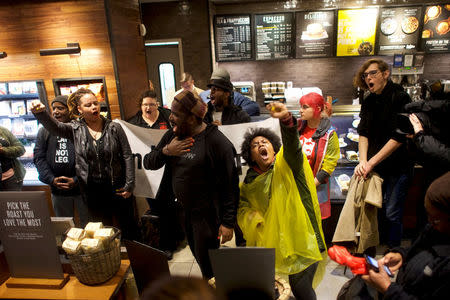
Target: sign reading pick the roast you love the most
233 37
274 36
314 34
436 29
27 236
399 29
356 32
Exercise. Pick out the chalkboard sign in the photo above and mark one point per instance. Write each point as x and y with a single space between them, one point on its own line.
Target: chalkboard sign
315 34
232 34
274 36
436 29
399 29
27 236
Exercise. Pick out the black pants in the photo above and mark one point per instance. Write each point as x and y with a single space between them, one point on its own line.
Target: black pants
107 207
301 283
202 230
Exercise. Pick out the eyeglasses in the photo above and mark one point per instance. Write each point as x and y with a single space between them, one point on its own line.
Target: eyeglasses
372 73
149 104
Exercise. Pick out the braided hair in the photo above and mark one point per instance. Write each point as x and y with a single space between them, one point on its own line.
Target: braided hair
74 101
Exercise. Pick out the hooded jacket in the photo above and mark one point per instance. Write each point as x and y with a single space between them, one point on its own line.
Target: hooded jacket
120 160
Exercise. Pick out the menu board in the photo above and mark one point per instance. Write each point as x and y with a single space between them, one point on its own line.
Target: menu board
399 29
315 34
274 36
436 29
233 37
356 32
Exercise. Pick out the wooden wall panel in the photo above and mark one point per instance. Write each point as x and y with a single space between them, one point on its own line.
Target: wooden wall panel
129 53
28 26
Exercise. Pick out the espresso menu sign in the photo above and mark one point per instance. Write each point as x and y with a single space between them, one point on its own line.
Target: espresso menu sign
356 32
27 236
314 34
399 29
233 37
436 29
274 36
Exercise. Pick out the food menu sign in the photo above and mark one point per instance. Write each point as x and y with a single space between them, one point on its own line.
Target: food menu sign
435 33
399 29
356 32
233 37
274 36
315 34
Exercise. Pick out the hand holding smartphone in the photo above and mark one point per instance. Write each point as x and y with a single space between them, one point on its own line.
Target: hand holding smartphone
373 263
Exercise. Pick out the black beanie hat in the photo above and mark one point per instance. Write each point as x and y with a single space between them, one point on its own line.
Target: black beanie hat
61 99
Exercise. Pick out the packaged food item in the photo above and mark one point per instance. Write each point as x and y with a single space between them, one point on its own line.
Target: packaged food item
343 181
90 246
76 234
352 155
71 246
91 227
103 233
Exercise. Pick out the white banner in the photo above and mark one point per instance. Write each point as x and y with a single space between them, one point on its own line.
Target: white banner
142 139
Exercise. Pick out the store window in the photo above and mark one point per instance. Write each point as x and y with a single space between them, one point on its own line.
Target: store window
166 73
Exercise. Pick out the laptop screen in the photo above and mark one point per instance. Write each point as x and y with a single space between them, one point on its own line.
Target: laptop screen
243 269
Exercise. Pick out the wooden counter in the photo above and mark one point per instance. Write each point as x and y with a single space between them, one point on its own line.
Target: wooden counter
72 290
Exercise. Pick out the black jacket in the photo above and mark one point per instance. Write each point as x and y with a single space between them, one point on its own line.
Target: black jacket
120 160
379 114
231 114
219 187
425 272
432 145
45 156
161 122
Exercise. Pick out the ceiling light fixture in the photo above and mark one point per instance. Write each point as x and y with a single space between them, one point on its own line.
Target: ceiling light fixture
3 54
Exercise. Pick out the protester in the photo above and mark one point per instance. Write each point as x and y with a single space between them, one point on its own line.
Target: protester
320 143
381 148
424 267
54 158
221 110
153 116
150 115
278 205
11 169
249 106
200 167
103 160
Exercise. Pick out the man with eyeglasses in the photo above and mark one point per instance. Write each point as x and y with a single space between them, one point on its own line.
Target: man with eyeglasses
381 148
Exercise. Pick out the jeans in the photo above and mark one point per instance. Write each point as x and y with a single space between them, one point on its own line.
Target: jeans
64 205
395 189
301 283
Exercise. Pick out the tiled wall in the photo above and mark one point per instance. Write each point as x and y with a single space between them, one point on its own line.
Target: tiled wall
333 75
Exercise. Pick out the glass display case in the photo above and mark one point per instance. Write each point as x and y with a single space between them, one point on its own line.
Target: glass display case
16 98
345 119
66 86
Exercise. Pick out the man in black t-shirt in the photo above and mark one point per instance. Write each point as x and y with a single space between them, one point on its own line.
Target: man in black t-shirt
201 170
54 158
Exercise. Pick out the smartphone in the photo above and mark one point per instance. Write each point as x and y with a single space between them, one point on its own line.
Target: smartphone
373 263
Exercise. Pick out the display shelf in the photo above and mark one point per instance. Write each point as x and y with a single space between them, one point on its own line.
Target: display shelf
19 97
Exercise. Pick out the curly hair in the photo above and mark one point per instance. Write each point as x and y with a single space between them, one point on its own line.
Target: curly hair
358 81
246 148
74 101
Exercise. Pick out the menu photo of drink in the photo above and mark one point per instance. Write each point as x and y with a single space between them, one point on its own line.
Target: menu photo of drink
399 29
314 35
274 36
436 29
356 32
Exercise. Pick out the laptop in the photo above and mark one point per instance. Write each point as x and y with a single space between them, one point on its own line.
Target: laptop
148 264
244 268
